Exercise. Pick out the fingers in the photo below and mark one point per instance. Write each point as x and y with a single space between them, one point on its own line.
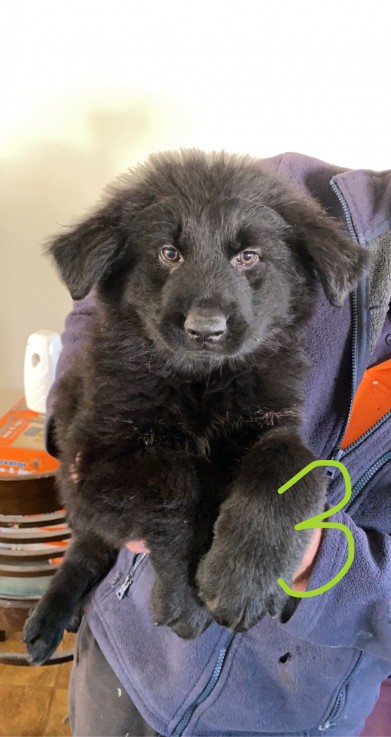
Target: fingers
73 469
137 546
304 571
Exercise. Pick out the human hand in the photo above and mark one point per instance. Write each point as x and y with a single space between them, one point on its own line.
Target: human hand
74 469
303 572
137 546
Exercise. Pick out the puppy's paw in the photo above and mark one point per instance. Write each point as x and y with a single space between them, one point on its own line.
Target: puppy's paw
75 620
237 591
42 634
179 609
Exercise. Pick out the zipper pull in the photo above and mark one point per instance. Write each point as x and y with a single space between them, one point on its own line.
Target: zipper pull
121 591
336 455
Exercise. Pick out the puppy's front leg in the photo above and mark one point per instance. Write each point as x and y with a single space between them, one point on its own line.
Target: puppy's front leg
180 534
174 601
86 562
254 538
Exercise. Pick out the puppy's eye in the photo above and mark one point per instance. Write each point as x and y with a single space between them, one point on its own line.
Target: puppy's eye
245 259
170 255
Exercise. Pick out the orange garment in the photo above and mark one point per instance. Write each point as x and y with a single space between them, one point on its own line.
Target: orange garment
371 403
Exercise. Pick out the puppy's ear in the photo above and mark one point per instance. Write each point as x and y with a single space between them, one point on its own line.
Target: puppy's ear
86 252
322 245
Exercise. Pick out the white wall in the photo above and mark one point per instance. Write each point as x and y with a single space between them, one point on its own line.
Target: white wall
89 88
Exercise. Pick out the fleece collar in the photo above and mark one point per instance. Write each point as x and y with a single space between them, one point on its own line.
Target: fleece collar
368 197
363 199
338 341
367 193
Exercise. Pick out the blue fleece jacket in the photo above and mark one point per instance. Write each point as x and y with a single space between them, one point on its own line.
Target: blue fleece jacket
318 670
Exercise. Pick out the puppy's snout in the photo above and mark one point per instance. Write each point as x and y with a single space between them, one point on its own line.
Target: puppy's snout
205 326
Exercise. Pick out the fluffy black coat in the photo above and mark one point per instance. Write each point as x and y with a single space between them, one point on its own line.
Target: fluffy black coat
181 417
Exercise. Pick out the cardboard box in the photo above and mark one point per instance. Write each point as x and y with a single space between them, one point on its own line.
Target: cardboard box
22 451
23 454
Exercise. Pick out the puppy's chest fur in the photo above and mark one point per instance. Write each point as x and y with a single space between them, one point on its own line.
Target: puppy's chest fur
201 417
221 413
130 399
195 417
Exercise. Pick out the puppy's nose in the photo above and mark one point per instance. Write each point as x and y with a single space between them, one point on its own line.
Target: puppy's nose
205 326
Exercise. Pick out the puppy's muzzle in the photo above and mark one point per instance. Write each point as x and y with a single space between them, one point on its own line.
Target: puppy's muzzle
205 327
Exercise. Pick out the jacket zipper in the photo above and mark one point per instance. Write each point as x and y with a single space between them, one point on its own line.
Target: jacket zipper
366 434
330 720
129 578
341 453
357 489
183 723
338 452
364 480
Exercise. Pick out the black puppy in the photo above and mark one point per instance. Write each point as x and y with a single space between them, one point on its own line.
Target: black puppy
183 411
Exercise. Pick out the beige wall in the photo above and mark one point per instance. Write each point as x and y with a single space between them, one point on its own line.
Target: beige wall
89 88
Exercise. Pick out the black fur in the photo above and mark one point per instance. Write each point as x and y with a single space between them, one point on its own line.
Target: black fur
182 440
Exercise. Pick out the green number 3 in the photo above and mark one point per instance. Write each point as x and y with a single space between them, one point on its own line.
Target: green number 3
317 523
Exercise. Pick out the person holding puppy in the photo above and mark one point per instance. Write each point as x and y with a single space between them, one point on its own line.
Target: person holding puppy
316 665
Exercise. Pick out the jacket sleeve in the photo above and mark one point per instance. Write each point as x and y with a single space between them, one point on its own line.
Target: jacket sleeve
356 612
73 337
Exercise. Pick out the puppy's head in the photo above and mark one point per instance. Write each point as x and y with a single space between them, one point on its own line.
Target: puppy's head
210 251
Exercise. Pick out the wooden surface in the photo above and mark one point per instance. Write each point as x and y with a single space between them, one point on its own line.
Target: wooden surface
33 701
